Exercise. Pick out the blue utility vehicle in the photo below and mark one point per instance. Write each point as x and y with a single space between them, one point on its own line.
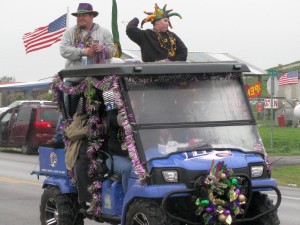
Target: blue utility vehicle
196 152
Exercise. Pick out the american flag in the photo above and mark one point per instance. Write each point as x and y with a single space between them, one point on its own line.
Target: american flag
289 78
46 36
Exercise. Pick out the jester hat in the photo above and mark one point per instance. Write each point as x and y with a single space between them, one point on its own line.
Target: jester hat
159 14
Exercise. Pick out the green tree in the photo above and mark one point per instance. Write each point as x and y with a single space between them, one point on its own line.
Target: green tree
46 96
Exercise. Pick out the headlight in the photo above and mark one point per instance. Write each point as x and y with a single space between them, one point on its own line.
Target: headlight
257 171
170 175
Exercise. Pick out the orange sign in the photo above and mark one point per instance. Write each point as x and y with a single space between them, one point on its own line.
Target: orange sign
254 90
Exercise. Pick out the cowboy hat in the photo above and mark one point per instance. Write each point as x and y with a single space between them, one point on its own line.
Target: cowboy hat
85 8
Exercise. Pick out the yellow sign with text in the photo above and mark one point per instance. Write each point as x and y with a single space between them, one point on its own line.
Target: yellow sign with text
254 90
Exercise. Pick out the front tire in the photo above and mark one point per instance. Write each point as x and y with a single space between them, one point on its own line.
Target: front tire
58 209
261 203
146 212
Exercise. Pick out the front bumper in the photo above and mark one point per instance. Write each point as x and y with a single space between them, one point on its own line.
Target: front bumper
252 186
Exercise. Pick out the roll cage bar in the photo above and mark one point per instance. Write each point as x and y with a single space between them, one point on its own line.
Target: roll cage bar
127 69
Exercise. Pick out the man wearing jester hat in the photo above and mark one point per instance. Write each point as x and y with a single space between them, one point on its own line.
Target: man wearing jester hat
157 44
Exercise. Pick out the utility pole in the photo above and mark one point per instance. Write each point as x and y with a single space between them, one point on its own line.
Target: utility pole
272 74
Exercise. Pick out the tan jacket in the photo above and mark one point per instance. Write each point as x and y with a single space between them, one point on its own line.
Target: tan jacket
75 132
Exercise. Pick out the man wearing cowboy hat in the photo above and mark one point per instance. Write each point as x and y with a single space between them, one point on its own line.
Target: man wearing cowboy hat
157 44
86 39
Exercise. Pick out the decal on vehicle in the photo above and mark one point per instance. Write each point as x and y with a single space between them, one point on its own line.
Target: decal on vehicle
258 147
208 155
53 159
107 201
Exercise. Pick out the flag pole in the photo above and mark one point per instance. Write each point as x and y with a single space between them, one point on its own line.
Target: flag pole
67 23
115 30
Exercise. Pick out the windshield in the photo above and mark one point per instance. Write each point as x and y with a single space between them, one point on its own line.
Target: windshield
214 99
210 106
161 142
14 104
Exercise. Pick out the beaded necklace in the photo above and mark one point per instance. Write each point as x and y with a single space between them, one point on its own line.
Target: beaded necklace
168 43
83 41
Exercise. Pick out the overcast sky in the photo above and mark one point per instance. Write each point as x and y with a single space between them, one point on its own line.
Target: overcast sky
264 33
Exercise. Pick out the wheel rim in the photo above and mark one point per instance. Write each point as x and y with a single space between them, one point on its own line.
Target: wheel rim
140 219
51 213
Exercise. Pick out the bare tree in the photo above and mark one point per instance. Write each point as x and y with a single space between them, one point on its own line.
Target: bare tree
7 79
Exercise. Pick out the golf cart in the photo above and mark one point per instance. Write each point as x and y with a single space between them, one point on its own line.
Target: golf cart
197 157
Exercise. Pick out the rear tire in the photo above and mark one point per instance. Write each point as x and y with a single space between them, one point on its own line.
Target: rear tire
59 209
146 212
261 203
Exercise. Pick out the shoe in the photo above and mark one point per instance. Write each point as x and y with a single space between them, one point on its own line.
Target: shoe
54 144
82 208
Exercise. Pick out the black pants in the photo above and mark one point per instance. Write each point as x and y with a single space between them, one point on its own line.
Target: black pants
81 174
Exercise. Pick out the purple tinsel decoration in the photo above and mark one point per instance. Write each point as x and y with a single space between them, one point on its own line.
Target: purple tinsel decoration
130 143
95 127
179 78
97 184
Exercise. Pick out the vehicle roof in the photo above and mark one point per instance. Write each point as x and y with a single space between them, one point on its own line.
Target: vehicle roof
156 68
37 106
32 100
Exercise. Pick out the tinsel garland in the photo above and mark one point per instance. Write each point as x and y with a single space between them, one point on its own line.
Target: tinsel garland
175 79
268 164
95 139
95 128
129 139
220 196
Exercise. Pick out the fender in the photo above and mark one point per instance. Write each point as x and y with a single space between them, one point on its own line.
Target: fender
263 182
64 184
152 192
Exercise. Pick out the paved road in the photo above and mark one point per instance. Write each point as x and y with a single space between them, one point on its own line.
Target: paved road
290 204
20 193
287 160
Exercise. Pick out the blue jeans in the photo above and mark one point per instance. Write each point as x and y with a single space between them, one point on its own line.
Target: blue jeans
123 166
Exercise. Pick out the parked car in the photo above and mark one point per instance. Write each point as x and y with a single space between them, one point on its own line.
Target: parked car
26 102
28 127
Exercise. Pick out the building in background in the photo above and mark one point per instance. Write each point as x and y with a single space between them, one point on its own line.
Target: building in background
288 94
19 91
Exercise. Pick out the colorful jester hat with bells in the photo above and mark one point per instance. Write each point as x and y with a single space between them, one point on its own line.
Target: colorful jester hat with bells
159 14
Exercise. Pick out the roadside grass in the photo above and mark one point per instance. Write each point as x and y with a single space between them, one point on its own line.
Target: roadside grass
287 175
3 149
286 140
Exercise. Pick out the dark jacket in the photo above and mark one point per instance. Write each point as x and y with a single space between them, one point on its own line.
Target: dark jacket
150 46
113 144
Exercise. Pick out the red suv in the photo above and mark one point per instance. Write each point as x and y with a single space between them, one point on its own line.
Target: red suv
28 127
